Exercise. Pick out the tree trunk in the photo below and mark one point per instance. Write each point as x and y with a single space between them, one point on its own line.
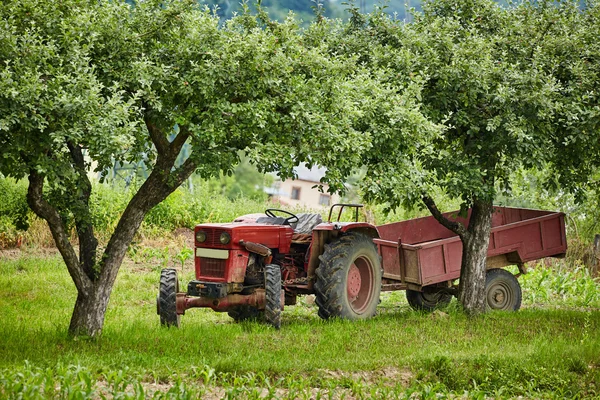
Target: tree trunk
471 290
595 266
88 315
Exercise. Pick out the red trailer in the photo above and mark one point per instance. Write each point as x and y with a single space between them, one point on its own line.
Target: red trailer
422 255
254 266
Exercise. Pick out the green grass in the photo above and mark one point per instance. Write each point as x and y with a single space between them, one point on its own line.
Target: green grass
549 349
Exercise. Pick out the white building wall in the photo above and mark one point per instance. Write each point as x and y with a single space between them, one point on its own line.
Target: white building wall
307 195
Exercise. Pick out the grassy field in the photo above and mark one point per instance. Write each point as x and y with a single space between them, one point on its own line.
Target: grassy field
549 349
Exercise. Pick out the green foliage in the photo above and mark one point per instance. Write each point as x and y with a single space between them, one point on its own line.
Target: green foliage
560 284
100 76
498 89
14 211
245 181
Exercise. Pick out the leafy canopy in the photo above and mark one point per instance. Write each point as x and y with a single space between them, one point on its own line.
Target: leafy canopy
499 88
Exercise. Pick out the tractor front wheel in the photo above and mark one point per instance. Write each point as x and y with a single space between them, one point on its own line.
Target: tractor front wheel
167 296
349 278
273 295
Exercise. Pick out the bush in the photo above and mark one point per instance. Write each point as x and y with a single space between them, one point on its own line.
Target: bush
15 215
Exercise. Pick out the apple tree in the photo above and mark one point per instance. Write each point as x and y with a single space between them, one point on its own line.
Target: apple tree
503 88
86 82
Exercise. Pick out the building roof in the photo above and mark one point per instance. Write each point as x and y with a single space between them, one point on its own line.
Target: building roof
313 174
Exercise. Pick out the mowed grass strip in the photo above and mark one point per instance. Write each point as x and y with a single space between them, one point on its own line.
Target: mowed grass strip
541 350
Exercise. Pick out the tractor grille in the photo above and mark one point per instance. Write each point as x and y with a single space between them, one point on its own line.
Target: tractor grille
212 238
212 267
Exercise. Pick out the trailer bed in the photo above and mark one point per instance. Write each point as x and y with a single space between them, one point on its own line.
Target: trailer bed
421 252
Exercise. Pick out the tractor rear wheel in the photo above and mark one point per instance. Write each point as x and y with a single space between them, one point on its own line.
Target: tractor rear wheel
167 296
273 295
502 290
244 313
349 278
428 300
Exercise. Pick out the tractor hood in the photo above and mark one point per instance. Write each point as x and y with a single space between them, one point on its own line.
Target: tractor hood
229 235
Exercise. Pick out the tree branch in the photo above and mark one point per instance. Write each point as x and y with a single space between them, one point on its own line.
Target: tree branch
163 180
179 141
157 136
183 172
44 210
88 243
539 40
454 226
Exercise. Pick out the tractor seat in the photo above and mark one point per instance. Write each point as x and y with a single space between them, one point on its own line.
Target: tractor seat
306 223
302 229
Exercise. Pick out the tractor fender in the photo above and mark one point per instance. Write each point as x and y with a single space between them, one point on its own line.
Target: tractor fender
361 227
325 232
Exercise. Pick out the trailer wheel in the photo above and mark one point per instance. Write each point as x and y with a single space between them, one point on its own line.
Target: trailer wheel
273 295
349 278
502 290
428 300
167 296
244 313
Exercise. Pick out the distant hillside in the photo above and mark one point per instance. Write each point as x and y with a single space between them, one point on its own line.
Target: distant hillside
278 9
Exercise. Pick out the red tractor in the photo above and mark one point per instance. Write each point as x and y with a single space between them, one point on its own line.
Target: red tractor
252 267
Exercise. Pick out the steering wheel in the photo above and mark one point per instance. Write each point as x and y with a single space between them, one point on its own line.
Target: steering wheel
270 212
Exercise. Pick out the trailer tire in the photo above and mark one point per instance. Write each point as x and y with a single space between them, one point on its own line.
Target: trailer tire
273 295
349 278
502 290
428 300
167 297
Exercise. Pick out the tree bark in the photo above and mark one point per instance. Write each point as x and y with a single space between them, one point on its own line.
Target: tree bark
90 307
44 210
595 267
471 289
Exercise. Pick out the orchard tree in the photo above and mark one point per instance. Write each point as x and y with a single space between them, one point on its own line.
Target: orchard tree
86 82
503 88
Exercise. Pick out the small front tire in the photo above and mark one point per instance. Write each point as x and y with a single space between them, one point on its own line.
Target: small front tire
273 295
167 297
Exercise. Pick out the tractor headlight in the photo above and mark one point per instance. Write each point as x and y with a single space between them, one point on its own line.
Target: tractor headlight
200 236
224 238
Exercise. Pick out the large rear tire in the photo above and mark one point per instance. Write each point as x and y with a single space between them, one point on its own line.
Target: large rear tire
273 295
349 278
502 291
167 297
428 300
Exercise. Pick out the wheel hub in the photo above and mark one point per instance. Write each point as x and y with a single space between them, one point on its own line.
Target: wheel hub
499 297
354 282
